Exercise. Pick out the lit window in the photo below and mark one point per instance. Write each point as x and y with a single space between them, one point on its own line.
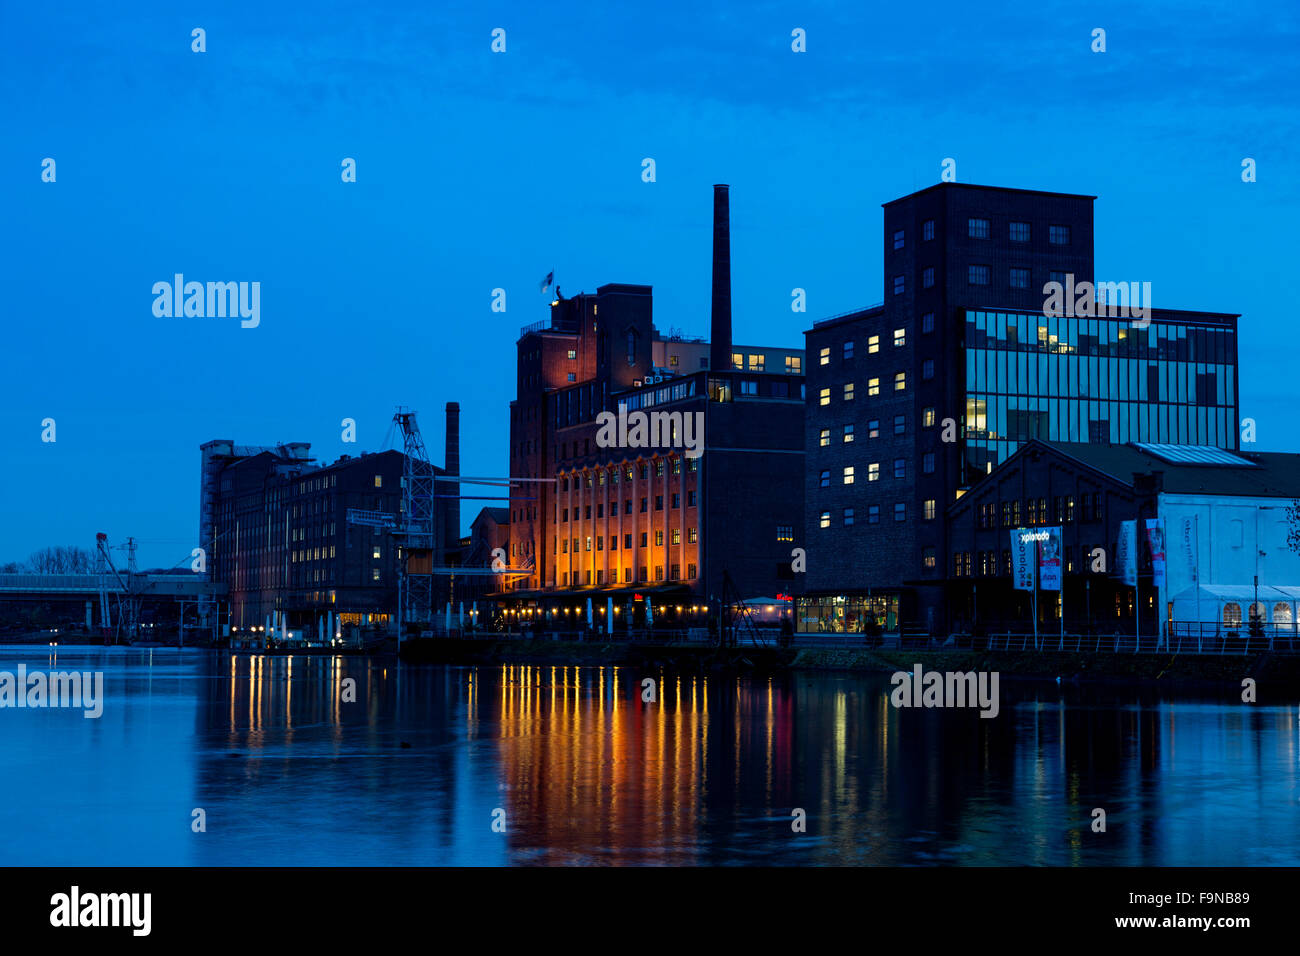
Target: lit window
824 396
375 553
784 532
793 364
873 344
374 574
825 437
927 418
873 471
927 557
825 355
848 392
900 381
672 360
928 509
848 475
977 228
825 520
848 434
379 481
757 362
873 429
573 354
900 338
873 386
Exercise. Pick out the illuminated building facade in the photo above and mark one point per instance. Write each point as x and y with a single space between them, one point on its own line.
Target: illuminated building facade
912 401
719 495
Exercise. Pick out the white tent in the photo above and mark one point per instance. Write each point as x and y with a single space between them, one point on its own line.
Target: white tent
1228 606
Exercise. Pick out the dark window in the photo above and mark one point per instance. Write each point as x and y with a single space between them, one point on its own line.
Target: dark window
900 424
978 275
898 239
927 322
1020 278
826 479
927 230
977 228
1020 232
927 278
899 285
1058 235
927 369
873 514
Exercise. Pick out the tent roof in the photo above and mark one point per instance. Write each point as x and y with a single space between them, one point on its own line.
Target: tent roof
1240 592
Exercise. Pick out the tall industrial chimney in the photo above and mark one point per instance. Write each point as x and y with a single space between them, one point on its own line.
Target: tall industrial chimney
720 330
451 461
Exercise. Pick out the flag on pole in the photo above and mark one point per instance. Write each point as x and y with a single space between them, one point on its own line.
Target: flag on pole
546 283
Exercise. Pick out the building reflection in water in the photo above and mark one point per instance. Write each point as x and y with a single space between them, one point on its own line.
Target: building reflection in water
712 770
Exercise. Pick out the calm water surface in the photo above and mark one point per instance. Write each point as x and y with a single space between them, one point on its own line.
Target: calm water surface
586 773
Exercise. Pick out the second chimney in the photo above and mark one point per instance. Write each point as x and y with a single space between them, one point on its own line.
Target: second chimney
720 327
451 462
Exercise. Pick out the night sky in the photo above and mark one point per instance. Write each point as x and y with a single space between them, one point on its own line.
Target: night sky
478 170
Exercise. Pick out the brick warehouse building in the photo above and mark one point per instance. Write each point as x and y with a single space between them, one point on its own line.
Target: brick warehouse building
276 528
912 401
618 522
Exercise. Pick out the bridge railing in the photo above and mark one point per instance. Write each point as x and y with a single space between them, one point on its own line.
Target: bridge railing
53 582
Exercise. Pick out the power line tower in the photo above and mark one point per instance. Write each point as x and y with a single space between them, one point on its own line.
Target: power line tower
416 531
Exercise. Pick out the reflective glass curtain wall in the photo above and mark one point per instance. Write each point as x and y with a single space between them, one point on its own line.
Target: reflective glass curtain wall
1094 380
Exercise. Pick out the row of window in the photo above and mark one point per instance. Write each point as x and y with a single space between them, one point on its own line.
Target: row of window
986 564
1036 511
873 514
981 228
643 575
873 384
873 342
692 537
848 432
612 475
675 500
873 470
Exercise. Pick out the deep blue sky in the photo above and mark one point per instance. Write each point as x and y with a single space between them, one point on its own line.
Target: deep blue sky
479 170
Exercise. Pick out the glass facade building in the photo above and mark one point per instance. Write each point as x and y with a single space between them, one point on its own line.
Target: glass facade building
1089 379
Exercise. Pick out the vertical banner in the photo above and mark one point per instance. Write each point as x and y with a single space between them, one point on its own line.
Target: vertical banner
1126 552
1024 559
1049 559
1187 543
1156 541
